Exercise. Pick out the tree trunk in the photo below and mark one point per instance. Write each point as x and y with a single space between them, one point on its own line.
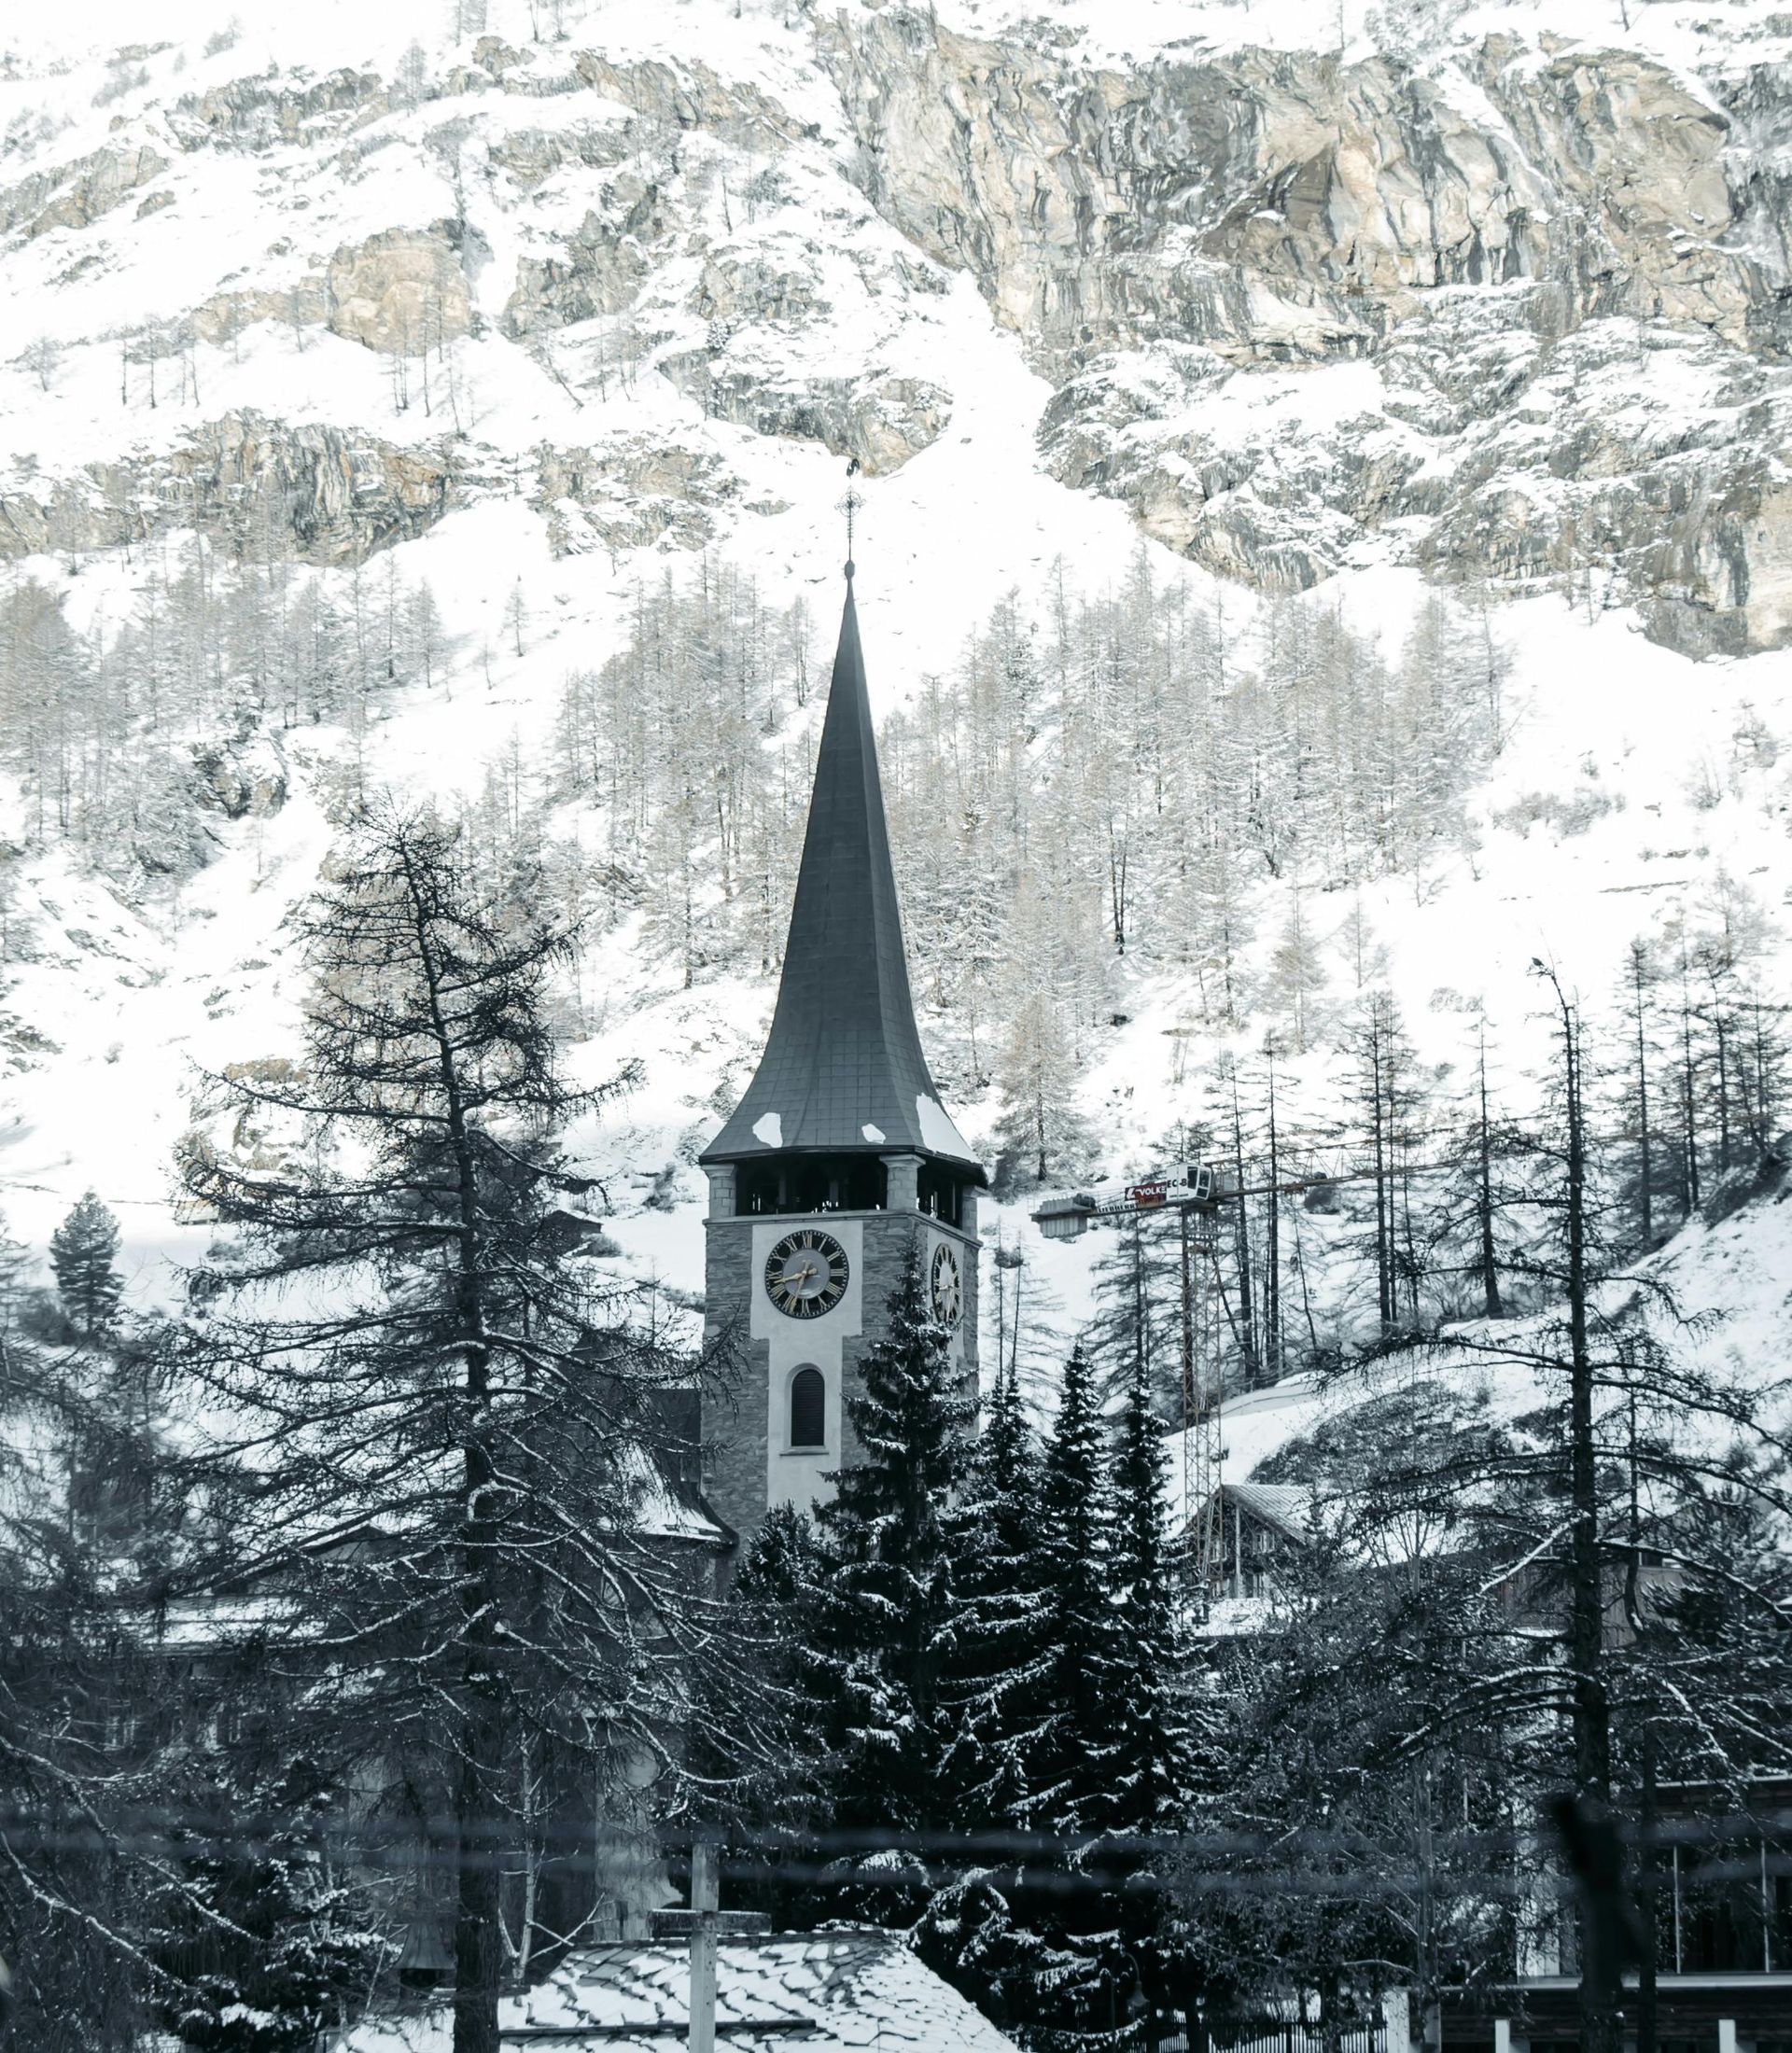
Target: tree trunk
1688 1104
1598 1984
480 1763
1272 1252
1247 1300
1383 1196
1645 1168
1647 1901
477 1951
1484 1205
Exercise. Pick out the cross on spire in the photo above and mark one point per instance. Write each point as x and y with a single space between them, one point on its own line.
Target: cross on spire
849 506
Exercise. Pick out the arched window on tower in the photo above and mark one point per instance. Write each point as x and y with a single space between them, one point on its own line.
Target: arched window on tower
808 1409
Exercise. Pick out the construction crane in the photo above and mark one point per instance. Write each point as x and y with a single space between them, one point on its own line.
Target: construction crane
1196 1194
1195 1197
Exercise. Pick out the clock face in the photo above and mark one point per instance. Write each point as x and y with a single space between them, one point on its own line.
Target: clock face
948 1293
805 1273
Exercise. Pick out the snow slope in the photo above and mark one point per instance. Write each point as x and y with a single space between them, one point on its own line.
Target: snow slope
130 1002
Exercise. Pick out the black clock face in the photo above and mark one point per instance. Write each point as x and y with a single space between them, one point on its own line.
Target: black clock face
948 1293
805 1273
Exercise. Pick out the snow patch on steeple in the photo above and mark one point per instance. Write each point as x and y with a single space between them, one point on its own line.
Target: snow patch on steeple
939 1136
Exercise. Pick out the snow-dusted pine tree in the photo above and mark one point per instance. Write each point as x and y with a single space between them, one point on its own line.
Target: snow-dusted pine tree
84 1257
883 1611
433 1423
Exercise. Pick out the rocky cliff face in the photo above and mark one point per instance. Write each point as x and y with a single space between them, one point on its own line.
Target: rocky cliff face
1516 312
1562 271
303 493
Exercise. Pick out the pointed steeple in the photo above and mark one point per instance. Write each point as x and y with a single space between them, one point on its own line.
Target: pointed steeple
842 1070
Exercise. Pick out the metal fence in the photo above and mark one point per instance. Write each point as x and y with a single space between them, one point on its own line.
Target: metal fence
1274 2035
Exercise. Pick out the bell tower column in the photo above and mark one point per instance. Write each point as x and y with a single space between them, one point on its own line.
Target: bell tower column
905 1182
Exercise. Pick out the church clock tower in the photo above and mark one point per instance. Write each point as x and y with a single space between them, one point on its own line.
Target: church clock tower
840 1157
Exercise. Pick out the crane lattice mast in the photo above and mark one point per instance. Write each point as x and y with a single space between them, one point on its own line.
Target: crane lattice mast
1196 1196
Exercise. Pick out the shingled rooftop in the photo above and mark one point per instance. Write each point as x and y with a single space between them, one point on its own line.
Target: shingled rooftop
797 1993
843 1070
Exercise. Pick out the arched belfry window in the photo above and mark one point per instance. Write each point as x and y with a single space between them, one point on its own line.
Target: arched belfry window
808 1409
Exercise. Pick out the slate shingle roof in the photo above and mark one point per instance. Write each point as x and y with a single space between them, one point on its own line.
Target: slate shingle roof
843 1070
802 1993
796 1992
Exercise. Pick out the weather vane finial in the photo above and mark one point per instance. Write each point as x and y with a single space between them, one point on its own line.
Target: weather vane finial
849 506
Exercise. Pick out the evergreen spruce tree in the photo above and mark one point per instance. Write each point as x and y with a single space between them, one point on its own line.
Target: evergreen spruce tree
268 1943
769 1807
1152 1739
882 1609
998 1658
1078 1750
1087 1979
978 1929
84 1254
1156 1747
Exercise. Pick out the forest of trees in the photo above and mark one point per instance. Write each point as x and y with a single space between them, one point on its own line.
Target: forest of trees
975 1698
117 732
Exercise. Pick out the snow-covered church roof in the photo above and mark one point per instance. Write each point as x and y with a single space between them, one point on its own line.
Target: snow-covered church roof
842 1070
795 1992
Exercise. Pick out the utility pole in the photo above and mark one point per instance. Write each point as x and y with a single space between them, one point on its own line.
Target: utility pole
704 1900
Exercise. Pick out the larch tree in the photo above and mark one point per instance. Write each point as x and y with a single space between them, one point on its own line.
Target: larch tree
434 1429
1040 1124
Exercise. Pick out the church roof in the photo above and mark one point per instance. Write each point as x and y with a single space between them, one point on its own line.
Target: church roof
834 1992
843 1068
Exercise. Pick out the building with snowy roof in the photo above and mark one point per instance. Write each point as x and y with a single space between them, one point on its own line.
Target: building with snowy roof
795 1992
1260 1527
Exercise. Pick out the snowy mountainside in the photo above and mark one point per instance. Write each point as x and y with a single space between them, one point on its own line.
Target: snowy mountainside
1718 1293
590 293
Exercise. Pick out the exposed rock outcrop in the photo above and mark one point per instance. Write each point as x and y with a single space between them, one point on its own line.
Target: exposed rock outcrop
402 291
259 113
1517 312
692 96
602 266
1275 204
882 421
1640 462
629 494
241 778
75 195
314 494
530 156
1534 249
